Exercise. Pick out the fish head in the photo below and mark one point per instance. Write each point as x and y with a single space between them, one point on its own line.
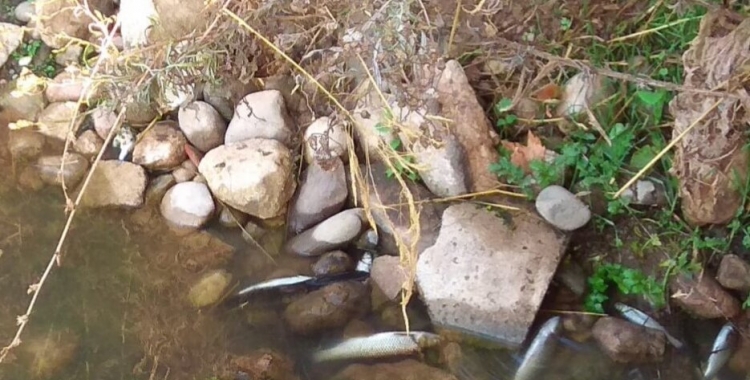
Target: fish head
426 339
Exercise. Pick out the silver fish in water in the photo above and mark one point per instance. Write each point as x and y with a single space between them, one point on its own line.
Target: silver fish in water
380 345
275 283
721 351
540 350
640 318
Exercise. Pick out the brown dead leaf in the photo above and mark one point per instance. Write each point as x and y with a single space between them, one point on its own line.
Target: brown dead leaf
548 92
522 155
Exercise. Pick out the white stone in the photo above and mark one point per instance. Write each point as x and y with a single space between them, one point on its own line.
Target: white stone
116 184
487 275
25 11
562 209
254 176
188 205
202 125
260 115
136 17
325 139
332 233
11 37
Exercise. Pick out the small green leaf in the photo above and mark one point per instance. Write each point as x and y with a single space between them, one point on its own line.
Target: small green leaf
652 98
382 128
503 105
395 144
643 156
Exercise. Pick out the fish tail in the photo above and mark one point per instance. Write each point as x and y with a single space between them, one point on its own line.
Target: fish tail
676 343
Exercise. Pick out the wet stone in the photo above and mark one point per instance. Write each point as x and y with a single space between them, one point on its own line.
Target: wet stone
229 217
625 342
25 144
322 193
72 172
409 369
388 275
335 232
264 364
188 205
487 275
209 288
562 209
702 296
157 187
333 262
330 307
116 184
734 273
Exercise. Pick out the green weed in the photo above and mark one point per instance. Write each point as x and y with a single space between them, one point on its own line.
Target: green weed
627 281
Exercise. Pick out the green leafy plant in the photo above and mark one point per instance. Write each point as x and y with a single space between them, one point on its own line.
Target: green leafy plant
628 281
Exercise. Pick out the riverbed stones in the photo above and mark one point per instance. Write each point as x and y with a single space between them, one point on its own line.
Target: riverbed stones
264 364
88 143
334 262
103 120
24 12
54 120
388 275
188 205
486 275
72 172
209 288
335 232
25 144
116 184
58 20
408 369
261 114
157 187
471 127
160 148
702 296
24 106
65 87
734 273
441 165
327 308
254 176
202 125
625 342
562 209
11 37
322 193
325 139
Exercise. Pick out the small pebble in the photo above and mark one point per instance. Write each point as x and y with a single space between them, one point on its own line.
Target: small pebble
25 11
562 209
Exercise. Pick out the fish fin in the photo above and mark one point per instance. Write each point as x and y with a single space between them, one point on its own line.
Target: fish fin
674 341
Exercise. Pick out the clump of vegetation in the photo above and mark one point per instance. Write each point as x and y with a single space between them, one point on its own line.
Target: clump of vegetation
627 281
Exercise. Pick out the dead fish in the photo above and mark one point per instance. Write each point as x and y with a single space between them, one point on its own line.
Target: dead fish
385 344
640 318
721 351
540 350
276 283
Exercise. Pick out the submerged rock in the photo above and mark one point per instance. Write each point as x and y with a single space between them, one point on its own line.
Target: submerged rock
72 172
229 217
562 209
388 274
335 232
259 115
209 288
48 355
625 342
25 144
333 262
327 308
265 364
25 106
116 184
703 296
409 369
488 275
202 125
157 187
254 176
55 119
322 193
160 148
734 273
325 139
188 205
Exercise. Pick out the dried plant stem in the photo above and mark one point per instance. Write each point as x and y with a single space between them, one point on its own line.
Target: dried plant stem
666 149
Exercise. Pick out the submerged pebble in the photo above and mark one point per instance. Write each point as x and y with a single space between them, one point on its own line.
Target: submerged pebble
625 342
333 262
72 172
209 288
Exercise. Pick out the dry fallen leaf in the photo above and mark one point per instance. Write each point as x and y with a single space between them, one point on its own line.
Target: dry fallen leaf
548 92
521 155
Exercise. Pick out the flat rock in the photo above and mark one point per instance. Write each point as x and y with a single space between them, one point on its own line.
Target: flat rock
322 193
562 209
65 87
160 148
734 273
202 125
261 114
325 139
187 205
335 232
470 125
388 274
702 296
54 120
11 37
625 342
25 144
254 176
116 184
72 172
486 275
